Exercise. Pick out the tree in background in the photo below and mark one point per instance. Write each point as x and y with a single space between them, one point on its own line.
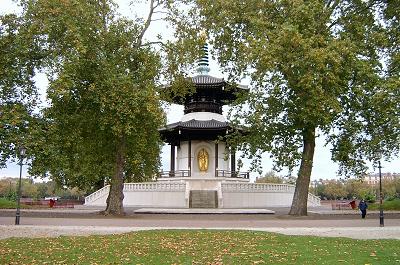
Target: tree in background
335 189
273 177
36 191
8 188
270 177
315 69
388 188
357 188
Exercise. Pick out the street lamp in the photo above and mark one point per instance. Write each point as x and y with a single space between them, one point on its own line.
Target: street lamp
381 221
21 158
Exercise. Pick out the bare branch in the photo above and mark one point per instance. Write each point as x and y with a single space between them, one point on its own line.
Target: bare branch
147 23
154 43
346 10
160 12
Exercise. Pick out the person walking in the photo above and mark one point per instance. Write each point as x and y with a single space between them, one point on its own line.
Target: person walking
363 208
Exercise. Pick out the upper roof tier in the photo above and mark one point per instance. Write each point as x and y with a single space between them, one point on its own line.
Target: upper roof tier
210 94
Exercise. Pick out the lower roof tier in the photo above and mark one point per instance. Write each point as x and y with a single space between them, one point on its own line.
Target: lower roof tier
194 130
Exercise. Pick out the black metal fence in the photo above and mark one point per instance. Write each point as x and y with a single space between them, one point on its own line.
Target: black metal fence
174 174
218 174
231 174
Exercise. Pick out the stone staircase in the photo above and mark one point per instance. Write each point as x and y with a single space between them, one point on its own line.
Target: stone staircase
203 199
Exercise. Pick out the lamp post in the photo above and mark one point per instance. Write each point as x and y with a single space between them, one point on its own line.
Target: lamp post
21 158
381 218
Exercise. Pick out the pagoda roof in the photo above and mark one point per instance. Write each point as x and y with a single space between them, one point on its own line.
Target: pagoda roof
205 80
215 87
196 130
196 124
208 80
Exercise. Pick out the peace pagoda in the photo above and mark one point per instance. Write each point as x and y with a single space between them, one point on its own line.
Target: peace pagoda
202 171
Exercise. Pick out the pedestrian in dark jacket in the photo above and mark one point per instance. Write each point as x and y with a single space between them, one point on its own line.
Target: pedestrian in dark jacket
363 208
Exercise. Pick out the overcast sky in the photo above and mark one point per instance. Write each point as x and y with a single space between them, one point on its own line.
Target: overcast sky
323 166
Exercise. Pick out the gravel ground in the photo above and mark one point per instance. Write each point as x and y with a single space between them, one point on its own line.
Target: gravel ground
7 231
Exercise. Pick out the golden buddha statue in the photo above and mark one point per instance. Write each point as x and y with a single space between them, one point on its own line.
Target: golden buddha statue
202 158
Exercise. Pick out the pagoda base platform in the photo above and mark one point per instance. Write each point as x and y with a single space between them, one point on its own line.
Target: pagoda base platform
202 211
176 194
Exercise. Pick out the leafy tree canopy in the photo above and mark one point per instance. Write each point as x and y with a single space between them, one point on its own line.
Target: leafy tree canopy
19 59
104 113
315 68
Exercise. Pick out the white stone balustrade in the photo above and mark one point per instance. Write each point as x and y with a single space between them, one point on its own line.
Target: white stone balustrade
260 195
313 200
103 192
167 186
176 194
257 187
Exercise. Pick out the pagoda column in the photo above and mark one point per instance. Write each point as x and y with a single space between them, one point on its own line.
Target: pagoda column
190 157
233 162
172 164
216 159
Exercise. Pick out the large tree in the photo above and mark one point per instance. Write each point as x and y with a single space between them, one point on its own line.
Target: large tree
104 111
316 69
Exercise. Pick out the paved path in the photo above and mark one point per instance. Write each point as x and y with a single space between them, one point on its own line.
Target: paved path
206 221
72 222
389 232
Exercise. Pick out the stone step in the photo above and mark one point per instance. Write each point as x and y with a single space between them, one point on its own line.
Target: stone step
203 199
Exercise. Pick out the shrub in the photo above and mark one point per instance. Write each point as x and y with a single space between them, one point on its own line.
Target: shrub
370 197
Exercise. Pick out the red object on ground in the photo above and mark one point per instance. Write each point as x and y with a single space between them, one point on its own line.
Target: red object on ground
353 204
51 203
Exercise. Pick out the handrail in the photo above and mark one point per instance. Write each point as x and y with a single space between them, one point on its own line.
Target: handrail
97 194
314 199
174 174
232 174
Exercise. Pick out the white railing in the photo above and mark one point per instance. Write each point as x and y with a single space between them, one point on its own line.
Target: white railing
314 200
267 187
155 186
256 187
97 194
146 186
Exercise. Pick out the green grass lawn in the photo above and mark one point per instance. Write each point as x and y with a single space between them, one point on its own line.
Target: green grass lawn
387 205
198 247
6 204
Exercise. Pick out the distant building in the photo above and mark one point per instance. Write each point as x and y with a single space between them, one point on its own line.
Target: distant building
373 179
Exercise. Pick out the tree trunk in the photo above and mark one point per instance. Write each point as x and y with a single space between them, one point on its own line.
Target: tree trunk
300 197
116 195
